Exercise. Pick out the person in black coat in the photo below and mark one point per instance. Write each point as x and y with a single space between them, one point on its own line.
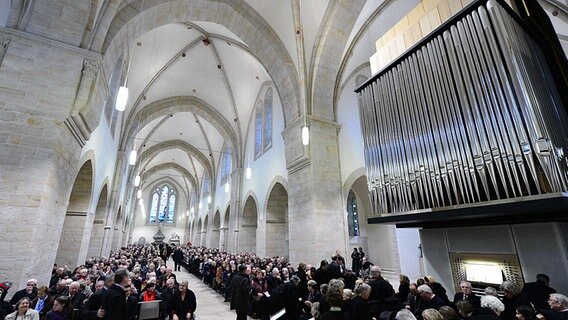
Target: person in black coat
131 303
428 300
240 293
403 288
322 275
30 291
355 261
382 296
313 296
358 309
286 295
437 288
184 303
303 286
467 294
178 258
114 301
512 298
538 292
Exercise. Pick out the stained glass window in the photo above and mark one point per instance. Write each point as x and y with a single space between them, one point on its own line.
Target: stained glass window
163 205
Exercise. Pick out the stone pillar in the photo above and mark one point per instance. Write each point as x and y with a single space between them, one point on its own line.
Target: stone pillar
38 156
316 206
236 212
110 220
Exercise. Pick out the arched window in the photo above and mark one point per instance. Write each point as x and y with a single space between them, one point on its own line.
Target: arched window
267 120
206 185
258 129
111 114
163 205
225 164
263 124
352 217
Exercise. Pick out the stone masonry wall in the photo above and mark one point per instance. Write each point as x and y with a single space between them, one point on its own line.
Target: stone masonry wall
38 157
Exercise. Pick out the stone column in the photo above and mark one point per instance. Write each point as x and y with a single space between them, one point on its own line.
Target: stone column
316 206
236 212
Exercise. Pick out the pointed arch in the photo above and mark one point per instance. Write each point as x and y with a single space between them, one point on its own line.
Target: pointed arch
114 34
76 216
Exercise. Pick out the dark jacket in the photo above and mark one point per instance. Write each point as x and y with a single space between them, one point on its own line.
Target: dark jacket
472 298
22 293
182 307
286 296
240 292
114 303
484 314
358 309
93 304
537 293
47 306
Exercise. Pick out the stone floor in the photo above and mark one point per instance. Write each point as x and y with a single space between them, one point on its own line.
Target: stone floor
210 305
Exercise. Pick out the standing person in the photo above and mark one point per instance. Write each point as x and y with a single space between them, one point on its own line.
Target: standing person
178 258
240 293
114 302
184 303
538 292
355 261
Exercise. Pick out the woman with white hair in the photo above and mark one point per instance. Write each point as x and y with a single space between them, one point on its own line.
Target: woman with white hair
491 308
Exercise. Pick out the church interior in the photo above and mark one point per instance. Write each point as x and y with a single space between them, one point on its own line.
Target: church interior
429 133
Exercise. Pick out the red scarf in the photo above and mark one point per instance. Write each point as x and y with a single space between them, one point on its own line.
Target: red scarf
149 296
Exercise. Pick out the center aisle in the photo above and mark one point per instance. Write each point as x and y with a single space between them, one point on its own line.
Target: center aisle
210 305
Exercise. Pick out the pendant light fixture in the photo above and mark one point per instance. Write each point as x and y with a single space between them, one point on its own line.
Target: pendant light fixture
139 194
122 96
209 199
248 173
227 187
133 156
305 135
137 180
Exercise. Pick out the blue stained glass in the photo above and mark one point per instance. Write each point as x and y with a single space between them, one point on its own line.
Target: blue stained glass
154 207
163 205
171 207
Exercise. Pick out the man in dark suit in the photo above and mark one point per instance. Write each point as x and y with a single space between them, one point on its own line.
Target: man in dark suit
240 293
95 300
382 296
466 294
539 291
114 301
428 299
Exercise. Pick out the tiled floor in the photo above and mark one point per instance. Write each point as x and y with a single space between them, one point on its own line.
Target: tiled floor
210 305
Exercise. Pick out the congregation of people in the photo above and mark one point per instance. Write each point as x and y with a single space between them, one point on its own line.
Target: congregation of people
256 287
106 288
261 287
